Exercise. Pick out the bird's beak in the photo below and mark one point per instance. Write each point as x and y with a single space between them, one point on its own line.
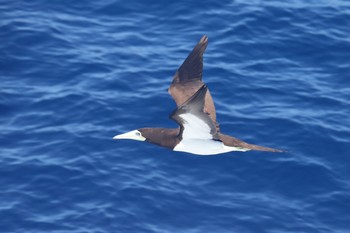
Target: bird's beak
132 135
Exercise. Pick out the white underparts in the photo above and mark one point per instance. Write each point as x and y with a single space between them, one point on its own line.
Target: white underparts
205 147
194 127
197 139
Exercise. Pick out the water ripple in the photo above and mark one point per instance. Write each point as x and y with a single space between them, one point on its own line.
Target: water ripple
74 74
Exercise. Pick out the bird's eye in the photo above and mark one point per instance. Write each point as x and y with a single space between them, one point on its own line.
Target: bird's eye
138 134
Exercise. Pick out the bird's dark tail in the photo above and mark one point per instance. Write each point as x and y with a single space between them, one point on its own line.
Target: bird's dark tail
261 148
231 141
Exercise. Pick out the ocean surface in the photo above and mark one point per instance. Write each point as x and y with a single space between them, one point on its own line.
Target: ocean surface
73 74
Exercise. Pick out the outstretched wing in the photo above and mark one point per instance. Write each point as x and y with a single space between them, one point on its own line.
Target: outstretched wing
193 121
188 79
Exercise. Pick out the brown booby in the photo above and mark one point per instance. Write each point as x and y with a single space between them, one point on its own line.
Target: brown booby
199 132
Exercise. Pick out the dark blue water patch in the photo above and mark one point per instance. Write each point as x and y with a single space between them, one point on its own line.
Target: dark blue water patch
74 74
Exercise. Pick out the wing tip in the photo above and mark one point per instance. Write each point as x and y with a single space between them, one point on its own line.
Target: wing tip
202 91
204 86
204 39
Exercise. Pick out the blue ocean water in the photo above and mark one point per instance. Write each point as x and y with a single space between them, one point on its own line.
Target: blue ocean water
75 73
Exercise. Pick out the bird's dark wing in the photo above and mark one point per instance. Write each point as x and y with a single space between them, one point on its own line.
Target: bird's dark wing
188 79
193 121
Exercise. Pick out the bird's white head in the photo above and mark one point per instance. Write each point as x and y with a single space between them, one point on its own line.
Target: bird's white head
132 135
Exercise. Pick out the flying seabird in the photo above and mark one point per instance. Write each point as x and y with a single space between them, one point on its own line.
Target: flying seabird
199 133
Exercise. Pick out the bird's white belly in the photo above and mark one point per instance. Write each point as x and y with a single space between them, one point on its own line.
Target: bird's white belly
204 147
